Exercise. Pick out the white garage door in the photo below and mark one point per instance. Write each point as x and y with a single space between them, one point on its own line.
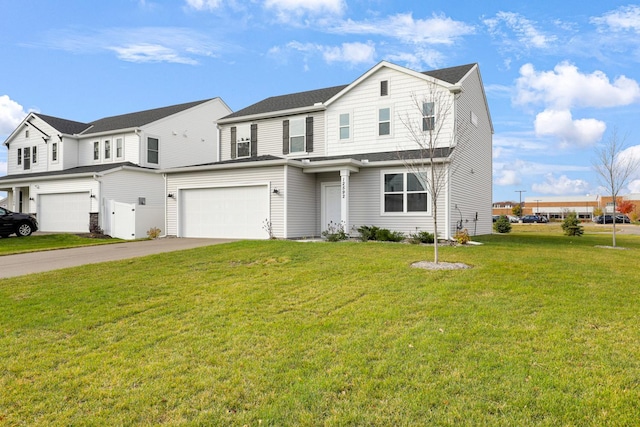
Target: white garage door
230 212
64 212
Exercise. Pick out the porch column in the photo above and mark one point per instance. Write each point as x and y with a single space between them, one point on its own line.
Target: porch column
14 199
344 198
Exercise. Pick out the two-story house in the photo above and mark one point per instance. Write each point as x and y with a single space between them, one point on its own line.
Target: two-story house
74 176
291 165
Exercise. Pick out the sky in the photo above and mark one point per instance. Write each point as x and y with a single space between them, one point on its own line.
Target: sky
560 77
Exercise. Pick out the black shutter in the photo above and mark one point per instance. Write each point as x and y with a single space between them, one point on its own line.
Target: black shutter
233 142
254 140
309 135
285 137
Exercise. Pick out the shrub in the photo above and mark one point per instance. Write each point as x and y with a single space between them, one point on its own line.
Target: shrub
368 232
571 225
153 233
502 225
385 235
335 232
462 236
421 237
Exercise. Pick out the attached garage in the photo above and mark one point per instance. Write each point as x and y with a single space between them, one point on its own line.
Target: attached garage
226 212
64 212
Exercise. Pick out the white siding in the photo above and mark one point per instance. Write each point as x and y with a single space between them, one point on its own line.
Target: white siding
363 103
303 205
186 138
227 178
88 185
471 177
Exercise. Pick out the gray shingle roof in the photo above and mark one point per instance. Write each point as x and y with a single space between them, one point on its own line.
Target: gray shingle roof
65 126
290 101
140 118
72 171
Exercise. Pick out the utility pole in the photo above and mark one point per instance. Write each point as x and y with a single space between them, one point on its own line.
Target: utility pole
537 206
521 191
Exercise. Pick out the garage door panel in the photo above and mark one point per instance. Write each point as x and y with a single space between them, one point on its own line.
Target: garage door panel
229 212
64 212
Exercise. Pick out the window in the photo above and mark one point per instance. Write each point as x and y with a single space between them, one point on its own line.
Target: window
428 116
54 152
96 150
27 158
384 121
243 147
19 156
152 150
474 119
119 148
345 126
296 135
384 88
34 154
26 133
404 192
107 149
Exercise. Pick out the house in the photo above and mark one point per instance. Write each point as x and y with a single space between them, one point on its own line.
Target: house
291 165
78 177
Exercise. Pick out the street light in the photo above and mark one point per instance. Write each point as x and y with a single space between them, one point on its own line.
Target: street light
537 206
521 191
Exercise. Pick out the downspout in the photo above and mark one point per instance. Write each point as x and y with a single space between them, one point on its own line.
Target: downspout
218 154
99 197
166 222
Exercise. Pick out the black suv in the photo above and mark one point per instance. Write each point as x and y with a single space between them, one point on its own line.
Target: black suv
19 223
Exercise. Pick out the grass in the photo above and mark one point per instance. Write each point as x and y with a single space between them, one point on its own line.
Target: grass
542 331
14 245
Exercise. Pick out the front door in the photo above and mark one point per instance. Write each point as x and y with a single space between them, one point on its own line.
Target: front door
330 205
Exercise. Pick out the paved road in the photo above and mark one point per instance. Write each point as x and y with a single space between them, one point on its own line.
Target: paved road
37 262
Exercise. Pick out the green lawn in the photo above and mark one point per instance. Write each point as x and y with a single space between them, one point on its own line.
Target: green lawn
543 330
44 242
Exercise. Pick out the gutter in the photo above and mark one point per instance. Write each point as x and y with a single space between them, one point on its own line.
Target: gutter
274 114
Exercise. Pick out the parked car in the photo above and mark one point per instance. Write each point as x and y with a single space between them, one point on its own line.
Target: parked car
513 219
608 219
534 219
20 224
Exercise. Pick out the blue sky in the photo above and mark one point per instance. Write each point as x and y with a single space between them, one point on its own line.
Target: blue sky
559 76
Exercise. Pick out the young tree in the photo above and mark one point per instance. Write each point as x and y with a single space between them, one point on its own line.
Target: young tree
429 125
614 169
625 207
517 210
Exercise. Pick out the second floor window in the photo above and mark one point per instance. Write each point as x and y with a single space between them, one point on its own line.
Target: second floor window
96 150
27 158
34 154
345 126
296 136
428 116
384 121
54 152
19 156
119 148
152 150
107 149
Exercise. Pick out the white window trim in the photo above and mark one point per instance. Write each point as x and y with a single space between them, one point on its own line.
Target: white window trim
243 136
380 88
304 136
19 157
55 149
350 138
380 107
404 213
116 148
104 147
34 154
432 116
94 151
146 153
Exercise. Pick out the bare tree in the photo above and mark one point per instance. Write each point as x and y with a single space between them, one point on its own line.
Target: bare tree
435 133
614 169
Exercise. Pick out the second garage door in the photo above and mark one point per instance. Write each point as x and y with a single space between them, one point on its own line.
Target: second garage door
229 212
64 212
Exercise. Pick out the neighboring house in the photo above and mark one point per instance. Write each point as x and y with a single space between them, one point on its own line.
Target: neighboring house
3 203
291 165
78 177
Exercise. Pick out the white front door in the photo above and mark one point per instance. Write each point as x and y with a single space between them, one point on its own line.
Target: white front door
330 205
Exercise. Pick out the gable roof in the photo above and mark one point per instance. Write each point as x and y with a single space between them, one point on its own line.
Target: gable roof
80 170
292 101
65 126
139 118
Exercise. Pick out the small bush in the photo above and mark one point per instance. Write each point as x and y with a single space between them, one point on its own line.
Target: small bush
421 237
368 232
502 225
335 232
571 225
154 232
385 235
462 236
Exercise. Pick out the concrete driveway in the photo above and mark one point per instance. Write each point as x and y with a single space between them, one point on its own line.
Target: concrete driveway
37 262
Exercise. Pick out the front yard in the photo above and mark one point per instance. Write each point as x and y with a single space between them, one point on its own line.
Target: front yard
541 331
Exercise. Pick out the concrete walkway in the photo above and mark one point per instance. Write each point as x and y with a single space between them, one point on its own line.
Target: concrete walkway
37 262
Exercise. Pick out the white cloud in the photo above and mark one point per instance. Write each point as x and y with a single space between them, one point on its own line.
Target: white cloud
560 186
151 53
11 114
516 25
566 87
293 11
353 53
204 4
417 59
3 171
507 177
560 123
622 19
438 29
634 186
